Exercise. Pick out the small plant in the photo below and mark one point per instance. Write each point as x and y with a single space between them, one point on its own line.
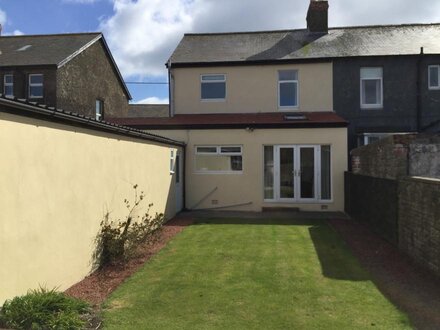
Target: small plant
43 309
117 241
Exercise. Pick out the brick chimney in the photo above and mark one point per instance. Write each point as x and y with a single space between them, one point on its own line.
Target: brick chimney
317 16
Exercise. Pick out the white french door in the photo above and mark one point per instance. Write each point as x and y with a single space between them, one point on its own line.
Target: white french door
296 173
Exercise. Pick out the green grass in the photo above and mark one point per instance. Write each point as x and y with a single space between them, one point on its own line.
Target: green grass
252 275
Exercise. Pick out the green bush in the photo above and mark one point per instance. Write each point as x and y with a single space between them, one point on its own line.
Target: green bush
43 309
118 240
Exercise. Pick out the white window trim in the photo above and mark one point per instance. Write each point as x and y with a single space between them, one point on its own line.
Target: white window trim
211 82
99 116
372 106
172 161
429 77
217 153
35 85
5 84
280 107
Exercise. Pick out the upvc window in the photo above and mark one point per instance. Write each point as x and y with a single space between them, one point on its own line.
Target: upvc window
99 110
434 76
368 138
287 89
219 159
172 160
213 87
35 86
8 85
371 88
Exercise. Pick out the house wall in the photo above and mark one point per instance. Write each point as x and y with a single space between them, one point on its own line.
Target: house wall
233 189
21 82
57 183
253 88
88 77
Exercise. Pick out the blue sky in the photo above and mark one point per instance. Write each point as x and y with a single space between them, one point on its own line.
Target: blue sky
143 33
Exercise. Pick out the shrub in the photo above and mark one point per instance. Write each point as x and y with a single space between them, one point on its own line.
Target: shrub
43 309
118 240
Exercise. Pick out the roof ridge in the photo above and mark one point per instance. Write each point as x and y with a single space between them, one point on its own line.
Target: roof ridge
51 35
305 29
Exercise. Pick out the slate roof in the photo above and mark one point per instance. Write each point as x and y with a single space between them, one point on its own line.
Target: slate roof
50 49
288 45
238 120
148 110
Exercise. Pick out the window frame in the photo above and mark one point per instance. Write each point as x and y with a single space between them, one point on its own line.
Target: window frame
100 116
218 152
376 106
288 107
212 82
5 84
172 160
35 85
438 77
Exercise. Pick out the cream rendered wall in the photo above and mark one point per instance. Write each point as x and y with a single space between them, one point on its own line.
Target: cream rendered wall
57 182
254 88
247 187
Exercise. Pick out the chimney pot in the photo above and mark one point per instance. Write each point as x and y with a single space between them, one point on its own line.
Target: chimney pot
317 16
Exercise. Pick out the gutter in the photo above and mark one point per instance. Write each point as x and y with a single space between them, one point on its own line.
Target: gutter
52 114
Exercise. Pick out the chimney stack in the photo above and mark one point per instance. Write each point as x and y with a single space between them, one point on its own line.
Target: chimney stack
317 16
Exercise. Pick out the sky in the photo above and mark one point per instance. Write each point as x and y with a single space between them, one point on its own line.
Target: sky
142 34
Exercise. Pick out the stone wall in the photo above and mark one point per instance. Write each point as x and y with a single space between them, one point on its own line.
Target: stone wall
424 157
419 220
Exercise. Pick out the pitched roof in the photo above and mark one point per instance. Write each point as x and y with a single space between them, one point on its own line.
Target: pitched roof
148 110
51 49
239 120
33 109
287 45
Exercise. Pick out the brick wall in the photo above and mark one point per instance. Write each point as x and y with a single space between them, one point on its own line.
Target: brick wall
419 220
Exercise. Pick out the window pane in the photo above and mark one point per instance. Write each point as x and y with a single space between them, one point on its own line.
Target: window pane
8 79
371 73
288 75
371 90
433 76
36 79
207 150
220 77
177 169
235 150
36 91
9 90
213 90
325 173
268 173
218 163
286 173
288 94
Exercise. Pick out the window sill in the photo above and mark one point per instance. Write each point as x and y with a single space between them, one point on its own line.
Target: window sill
434 88
212 100
288 108
371 107
219 173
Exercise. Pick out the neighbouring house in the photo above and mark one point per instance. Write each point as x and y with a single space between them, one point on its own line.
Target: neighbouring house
148 110
256 112
73 72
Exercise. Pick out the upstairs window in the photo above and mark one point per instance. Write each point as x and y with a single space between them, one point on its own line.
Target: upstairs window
219 159
213 87
99 110
287 89
371 88
35 86
8 85
434 76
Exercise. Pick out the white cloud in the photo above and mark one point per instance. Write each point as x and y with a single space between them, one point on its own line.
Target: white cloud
17 33
153 100
142 34
2 18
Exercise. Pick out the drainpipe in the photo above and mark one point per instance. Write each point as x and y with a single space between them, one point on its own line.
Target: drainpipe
419 90
184 177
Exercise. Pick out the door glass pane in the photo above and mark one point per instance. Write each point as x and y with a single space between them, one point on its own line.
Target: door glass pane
307 168
177 168
286 173
268 172
325 173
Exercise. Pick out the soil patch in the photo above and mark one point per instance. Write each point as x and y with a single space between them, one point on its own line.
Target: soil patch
96 287
413 289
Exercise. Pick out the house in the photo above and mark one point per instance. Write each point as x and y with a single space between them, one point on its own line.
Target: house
73 72
256 112
148 110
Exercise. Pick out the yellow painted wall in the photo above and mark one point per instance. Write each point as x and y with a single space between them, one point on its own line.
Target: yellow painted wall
56 184
254 88
248 186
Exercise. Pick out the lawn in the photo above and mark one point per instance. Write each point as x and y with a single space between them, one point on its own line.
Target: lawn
252 274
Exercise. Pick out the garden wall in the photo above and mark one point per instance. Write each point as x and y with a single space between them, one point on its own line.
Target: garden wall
57 183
